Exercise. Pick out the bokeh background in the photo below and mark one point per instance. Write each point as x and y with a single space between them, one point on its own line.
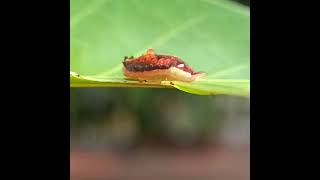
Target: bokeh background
127 133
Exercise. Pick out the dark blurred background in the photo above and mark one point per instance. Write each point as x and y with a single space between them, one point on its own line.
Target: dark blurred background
127 133
121 118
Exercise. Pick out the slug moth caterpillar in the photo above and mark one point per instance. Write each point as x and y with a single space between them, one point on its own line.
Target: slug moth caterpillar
156 67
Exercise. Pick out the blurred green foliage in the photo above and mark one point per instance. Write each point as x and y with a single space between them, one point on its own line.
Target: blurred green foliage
130 116
244 2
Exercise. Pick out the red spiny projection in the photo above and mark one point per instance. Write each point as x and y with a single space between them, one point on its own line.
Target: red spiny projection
151 61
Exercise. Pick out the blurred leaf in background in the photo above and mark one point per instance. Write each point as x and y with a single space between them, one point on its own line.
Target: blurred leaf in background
124 117
210 35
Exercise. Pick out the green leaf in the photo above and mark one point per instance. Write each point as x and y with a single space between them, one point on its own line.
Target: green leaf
210 35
